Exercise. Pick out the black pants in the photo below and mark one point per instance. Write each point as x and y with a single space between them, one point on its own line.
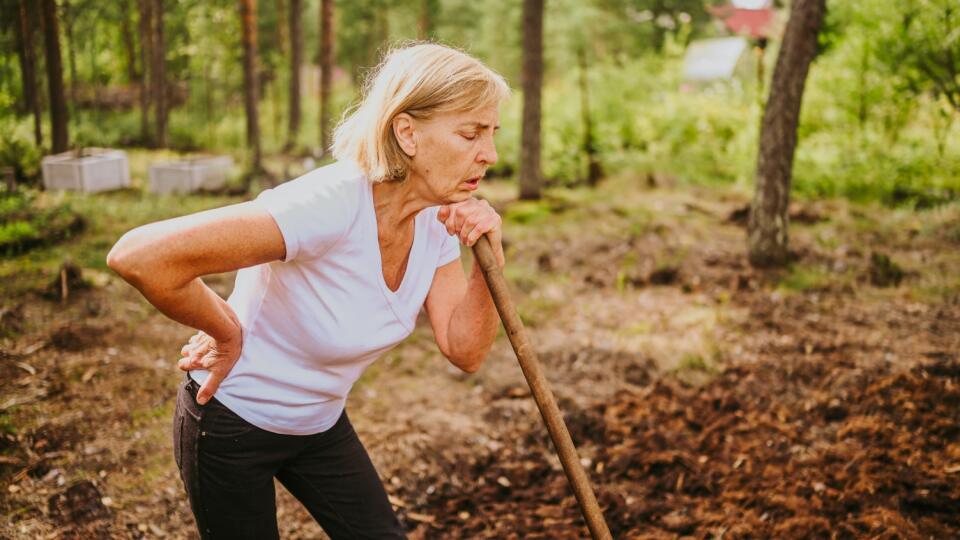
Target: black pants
228 465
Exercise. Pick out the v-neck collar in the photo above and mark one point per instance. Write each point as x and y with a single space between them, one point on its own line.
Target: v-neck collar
392 296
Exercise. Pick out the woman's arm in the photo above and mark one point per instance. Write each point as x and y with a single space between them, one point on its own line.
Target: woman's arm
461 310
165 260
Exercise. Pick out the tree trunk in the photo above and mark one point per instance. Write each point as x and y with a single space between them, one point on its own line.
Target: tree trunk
69 18
594 169
159 73
767 229
326 72
126 36
281 21
28 70
532 82
296 60
248 21
58 102
428 14
146 46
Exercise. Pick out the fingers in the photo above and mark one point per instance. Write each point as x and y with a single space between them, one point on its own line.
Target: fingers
484 227
209 387
469 219
194 354
190 363
451 221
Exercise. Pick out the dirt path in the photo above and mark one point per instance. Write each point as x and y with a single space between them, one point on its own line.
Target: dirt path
706 399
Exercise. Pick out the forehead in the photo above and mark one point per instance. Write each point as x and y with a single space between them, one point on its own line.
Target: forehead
482 117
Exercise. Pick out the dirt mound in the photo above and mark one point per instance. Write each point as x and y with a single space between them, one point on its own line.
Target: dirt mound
789 450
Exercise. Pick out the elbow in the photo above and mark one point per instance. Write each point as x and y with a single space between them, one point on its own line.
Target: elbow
118 259
125 259
468 365
470 369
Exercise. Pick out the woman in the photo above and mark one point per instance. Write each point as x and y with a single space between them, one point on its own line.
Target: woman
334 268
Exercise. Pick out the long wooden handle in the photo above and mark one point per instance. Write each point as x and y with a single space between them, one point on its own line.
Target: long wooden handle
483 252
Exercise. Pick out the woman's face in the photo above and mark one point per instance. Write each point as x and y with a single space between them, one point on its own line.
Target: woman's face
452 152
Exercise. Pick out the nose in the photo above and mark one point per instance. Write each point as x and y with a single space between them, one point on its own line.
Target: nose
488 154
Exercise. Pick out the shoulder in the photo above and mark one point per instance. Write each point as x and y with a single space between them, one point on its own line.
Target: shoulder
334 189
316 209
341 181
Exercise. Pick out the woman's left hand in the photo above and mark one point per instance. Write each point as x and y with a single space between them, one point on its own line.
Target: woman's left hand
471 219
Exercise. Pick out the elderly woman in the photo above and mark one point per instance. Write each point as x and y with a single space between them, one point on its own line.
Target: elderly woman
334 267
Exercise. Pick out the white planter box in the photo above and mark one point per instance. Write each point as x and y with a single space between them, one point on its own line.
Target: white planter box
190 175
100 169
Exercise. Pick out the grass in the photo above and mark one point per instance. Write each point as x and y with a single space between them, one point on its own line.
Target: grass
801 278
108 216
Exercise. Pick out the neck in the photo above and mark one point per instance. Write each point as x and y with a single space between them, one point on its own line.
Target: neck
396 203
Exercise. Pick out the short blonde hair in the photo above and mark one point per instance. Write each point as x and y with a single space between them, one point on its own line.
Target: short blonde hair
420 79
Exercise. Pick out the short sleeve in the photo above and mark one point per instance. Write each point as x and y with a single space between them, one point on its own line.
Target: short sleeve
312 212
449 249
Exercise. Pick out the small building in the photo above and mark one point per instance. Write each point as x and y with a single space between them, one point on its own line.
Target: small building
87 170
714 59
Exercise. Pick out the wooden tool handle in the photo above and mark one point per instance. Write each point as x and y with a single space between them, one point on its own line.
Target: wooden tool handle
483 252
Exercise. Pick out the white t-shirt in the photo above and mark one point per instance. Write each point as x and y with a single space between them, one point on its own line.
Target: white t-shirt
313 322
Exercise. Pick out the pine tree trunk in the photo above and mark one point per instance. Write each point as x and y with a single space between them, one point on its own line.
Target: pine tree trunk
146 46
532 82
767 229
281 27
71 53
428 13
28 70
326 72
594 169
296 60
58 102
248 21
126 36
159 73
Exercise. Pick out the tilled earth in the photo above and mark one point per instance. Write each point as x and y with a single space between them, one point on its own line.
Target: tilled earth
705 401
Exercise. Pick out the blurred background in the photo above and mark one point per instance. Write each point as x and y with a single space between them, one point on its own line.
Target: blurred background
749 309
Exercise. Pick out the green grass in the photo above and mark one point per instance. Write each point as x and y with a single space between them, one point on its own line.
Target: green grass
108 216
801 278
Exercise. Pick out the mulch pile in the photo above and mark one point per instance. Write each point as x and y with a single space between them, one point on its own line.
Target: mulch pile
802 448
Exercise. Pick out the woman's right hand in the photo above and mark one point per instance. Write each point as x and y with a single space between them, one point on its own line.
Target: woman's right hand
217 357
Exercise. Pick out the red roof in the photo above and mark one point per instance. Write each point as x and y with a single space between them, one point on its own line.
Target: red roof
755 23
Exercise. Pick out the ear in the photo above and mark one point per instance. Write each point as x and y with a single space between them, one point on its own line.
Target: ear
403 130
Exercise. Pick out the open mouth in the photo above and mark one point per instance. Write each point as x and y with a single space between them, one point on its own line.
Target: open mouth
474 182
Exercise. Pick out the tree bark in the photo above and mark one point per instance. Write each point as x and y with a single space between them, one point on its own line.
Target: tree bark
326 72
28 70
146 46
296 60
159 73
532 82
69 18
248 22
58 102
282 20
428 12
594 169
767 229
126 36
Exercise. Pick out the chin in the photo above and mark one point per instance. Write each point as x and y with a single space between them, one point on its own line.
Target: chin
458 196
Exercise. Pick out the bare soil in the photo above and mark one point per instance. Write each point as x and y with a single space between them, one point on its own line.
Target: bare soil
707 399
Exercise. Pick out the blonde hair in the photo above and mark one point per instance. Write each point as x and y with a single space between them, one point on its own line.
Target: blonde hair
420 79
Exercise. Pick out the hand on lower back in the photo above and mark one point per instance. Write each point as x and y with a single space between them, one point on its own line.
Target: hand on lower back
217 357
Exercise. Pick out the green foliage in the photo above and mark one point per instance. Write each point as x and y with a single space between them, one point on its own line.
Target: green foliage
878 121
26 221
18 151
806 278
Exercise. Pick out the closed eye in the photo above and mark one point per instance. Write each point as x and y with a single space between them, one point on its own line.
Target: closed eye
469 137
